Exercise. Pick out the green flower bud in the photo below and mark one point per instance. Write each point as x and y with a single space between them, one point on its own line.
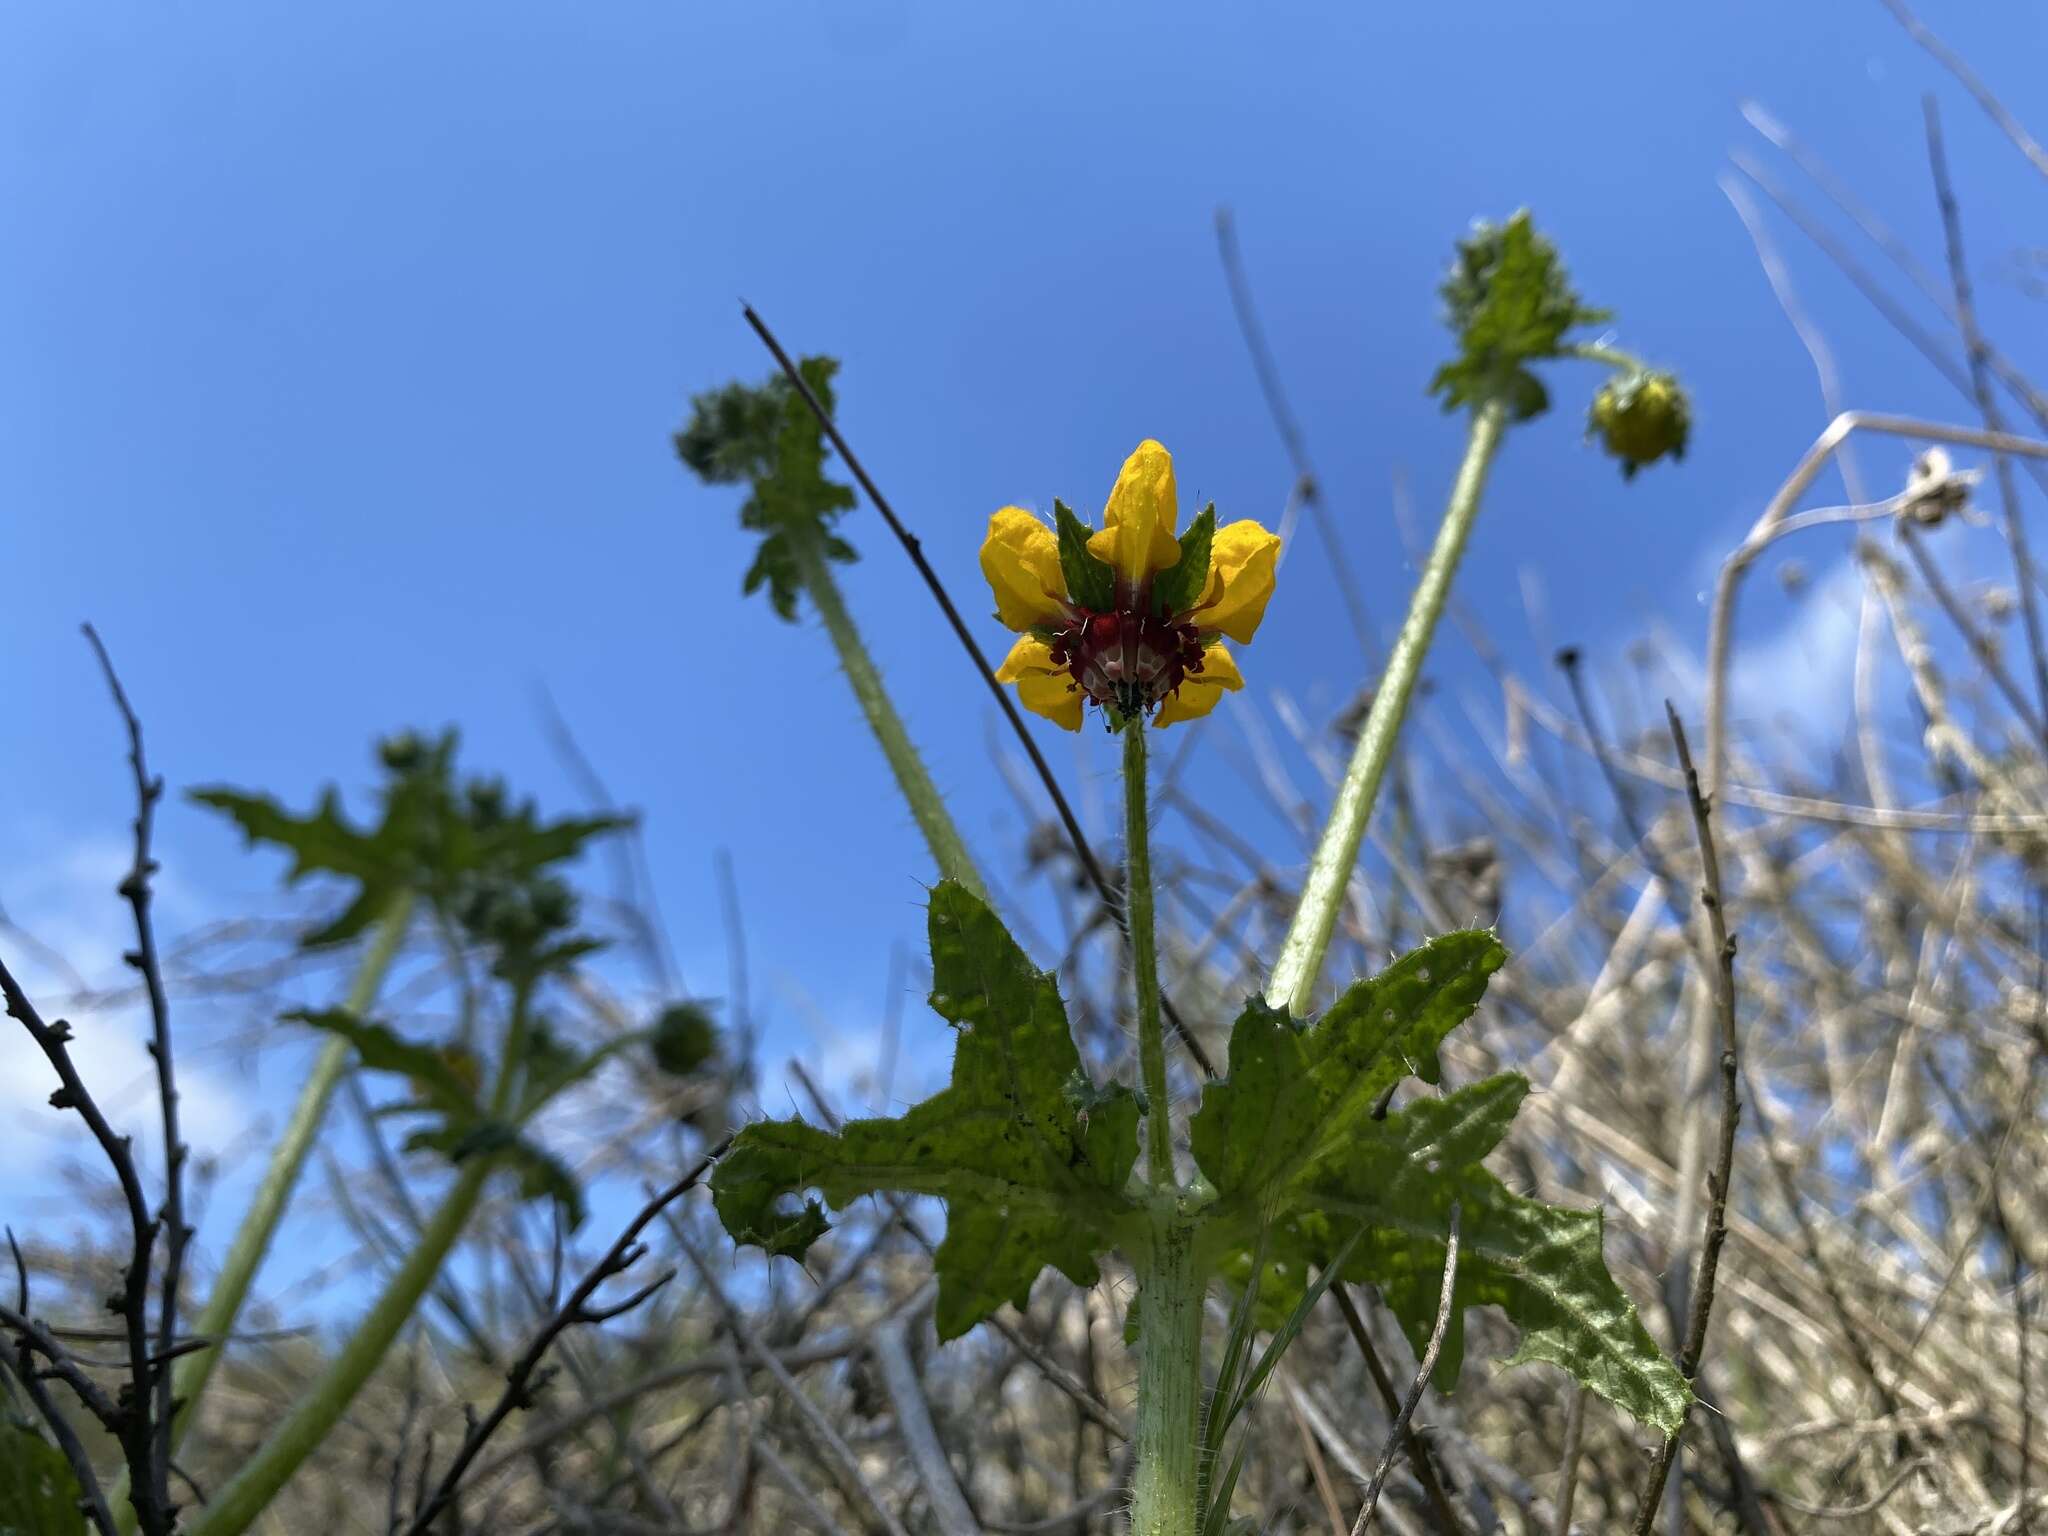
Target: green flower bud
684 1039
1640 417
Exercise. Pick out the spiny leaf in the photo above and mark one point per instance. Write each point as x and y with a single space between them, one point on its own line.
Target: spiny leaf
1179 587
1542 1265
1031 1168
1511 303
1090 583
38 1492
1294 1096
429 1069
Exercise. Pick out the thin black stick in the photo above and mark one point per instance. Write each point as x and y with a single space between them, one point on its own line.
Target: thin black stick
1723 982
135 890
139 1419
1306 485
577 1309
1111 900
1444 1306
1978 356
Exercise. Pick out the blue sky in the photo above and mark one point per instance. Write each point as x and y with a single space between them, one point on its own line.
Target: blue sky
340 349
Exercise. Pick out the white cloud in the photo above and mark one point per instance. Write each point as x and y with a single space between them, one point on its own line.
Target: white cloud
1802 669
64 896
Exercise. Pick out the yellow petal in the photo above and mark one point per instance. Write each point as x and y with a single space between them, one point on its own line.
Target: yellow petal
1029 657
1021 559
1241 563
1043 687
1054 697
1198 693
1137 537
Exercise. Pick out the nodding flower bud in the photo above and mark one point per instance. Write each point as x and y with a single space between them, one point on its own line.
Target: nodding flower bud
1639 417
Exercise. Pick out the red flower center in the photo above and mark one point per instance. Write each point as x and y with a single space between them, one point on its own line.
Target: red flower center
1127 662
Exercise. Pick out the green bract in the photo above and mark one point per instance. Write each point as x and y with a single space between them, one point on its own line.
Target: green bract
1511 303
766 435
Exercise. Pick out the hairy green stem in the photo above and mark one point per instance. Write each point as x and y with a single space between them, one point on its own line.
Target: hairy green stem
1145 961
1165 1482
1613 357
1308 937
252 1239
233 1508
948 849
322 1404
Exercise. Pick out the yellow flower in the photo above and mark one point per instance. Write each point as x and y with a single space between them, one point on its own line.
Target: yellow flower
1134 633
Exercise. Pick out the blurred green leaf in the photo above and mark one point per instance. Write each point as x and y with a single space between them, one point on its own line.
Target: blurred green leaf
38 1493
542 1175
461 850
552 1068
436 1073
1031 1168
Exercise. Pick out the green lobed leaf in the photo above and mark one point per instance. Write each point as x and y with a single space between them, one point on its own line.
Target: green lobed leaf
1542 1265
38 1491
1091 584
1030 1158
1179 587
1306 1173
1511 303
1294 1096
431 1070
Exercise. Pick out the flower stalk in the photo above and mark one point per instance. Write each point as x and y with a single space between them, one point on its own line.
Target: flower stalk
1293 983
927 806
1145 961
322 1404
235 1507
1165 1480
